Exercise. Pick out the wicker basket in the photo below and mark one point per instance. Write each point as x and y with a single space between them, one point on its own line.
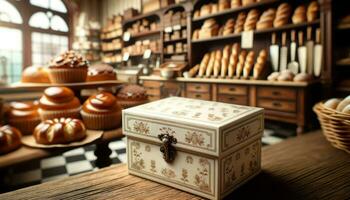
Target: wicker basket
335 126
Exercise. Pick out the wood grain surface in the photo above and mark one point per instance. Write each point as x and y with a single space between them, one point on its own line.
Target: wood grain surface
306 167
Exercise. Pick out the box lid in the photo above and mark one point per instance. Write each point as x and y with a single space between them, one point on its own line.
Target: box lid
197 124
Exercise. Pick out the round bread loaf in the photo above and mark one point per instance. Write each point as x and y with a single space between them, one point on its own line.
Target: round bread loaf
59 131
343 104
283 13
299 15
273 76
101 72
101 112
346 110
35 74
10 139
332 103
59 102
132 95
302 77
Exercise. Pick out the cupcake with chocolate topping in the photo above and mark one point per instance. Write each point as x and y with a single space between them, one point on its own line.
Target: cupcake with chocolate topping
131 95
101 112
101 72
68 67
59 102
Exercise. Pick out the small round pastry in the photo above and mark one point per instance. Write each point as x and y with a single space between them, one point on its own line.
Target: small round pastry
285 77
346 110
68 67
101 72
10 139
132 95
302 77
58 102
24 116
343 104
273 76
332 103
59 131
35 74
101 112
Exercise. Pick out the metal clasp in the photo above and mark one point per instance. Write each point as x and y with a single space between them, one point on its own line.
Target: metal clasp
169 152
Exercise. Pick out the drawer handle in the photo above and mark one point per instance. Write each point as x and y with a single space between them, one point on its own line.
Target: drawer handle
198 87
232 98
169 152
276 93
232 89
276 104
198 95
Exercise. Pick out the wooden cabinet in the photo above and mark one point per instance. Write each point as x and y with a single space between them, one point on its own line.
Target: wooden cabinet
161 89
277 93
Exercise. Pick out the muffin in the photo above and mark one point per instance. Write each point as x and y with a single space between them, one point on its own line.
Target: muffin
101 112
131 95
24 116
68 67
59 131
10 139
58 102
35 74
101 72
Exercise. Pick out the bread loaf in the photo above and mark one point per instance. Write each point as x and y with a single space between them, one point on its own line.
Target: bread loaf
229 27
252 18
195 35
312 11
273 76
10 139
266 19
302 77
210 64
332 103
204 64
193 71
196 14
248 64
346 110
205 10
225 60
235 3
343 104
247 2
214 8
218 58
240 65
260 64
282 15
240 22
224 4
299 15
233 60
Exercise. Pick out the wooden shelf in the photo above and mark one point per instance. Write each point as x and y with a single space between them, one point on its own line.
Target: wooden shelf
234 10
268 30
112 38
138 55
112 50
141 16
176 40
175 53
343 27
144 34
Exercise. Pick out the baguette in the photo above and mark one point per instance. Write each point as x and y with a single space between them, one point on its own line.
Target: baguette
248 64
210 64
204 64
240 22
240 65
233 60
193 71
225 60
218 56
260 64
283 13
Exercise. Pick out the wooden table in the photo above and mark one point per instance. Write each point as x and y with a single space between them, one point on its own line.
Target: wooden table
306 167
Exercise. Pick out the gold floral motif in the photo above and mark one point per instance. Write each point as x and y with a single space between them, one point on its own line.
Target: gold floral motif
230 174
141 128
167 130
189 159
153 166
243 134
147 148
184 175
200 179
195 138
168 173
137 162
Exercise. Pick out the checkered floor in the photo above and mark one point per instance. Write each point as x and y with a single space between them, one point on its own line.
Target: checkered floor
81 160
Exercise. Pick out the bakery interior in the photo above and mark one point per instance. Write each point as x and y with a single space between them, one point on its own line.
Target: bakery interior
70 68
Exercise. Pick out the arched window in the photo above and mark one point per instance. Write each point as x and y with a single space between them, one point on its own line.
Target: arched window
45 32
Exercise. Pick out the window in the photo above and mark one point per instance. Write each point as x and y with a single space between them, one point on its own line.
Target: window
56 5
8 13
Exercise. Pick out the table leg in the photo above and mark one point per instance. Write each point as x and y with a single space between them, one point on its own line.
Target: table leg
300 130
102 152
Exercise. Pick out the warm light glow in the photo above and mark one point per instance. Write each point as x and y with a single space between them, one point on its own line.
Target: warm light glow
8 13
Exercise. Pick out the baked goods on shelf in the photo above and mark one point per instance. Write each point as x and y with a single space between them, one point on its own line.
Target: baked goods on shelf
240 22
115 44
235 3
142 26
248 64
302 77
252 18
209 29
10 139
224 61
224 4
24 116
205 9
112 58
288 75
266 19
283 14
101 72
101 112
35 74
59 131
299 15
260 64
240 64
141 46
58 102
69 67
247 2
228 28
233 61
131 95
312 11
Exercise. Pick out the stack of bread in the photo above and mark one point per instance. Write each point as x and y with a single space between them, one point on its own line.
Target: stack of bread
287 75
283 13
266 19
252 18
209 29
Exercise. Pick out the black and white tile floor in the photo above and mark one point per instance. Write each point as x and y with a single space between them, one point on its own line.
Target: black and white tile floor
81 160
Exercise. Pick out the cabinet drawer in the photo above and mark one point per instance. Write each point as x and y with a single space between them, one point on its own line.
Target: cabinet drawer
194 87
286 106
241 100
196 95
153 91
232 89
152 84
277 93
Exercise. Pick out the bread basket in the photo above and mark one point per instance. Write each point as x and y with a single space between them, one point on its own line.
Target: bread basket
335 126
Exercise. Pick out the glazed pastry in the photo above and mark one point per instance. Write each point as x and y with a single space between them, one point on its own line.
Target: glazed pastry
266 19
282 15
24 116
68 67
10 139
58 102
101 72
233 60
101 112
260 64
248 64
59 131
35 74
240 22
312 11
131 95
235 3
252 18
299 15
240 65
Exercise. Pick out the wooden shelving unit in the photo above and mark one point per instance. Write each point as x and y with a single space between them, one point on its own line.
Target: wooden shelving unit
144 34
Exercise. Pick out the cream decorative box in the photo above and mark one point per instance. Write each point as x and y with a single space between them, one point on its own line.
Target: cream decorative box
203 147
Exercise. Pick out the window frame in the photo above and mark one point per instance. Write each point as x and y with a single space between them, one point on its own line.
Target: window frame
26 10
